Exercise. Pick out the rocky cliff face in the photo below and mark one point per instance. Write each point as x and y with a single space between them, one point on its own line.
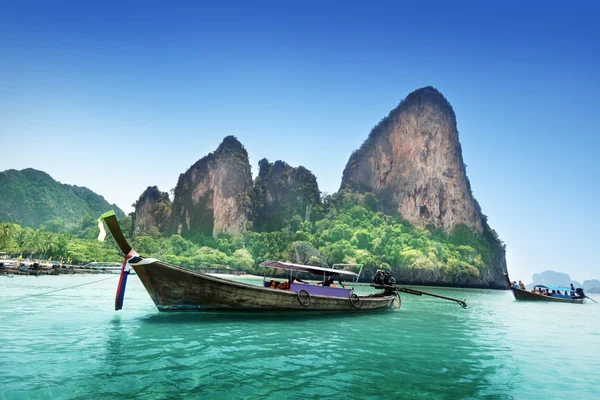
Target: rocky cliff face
280 192
553 278
412 160
152 211
214 195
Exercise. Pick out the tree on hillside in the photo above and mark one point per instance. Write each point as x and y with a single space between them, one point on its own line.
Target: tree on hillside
49 243
33 242
9 233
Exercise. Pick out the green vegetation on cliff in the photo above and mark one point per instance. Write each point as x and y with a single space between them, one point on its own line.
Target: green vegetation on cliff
353 230
32 198
280 192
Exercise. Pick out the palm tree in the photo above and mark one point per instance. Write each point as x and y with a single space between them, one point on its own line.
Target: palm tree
8 233
33 242
49 242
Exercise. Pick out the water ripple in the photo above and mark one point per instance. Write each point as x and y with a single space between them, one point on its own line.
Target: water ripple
72 345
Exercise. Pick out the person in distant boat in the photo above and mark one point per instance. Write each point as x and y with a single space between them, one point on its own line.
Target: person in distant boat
300 281
572 290
516 285
522 285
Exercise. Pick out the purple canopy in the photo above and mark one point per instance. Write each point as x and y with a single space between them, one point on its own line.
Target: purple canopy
306 268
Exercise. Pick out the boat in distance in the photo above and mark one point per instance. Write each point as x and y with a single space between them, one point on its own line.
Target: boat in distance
544 293
522 294
173 288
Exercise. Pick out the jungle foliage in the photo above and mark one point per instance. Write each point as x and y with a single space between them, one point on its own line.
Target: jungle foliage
352 231
32 198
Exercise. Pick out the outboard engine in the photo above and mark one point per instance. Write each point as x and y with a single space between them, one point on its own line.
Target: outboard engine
384 280
579 293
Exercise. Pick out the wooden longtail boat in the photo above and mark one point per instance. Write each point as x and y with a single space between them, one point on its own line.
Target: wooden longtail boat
174 288
522 294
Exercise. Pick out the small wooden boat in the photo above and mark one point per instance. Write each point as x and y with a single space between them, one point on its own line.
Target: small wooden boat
173 288
537 295
521 294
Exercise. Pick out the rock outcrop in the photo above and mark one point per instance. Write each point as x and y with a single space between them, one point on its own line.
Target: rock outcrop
592 285
412 161
214 195
553 278
152 212
281 192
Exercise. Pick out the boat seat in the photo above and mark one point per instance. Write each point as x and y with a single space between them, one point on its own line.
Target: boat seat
321 290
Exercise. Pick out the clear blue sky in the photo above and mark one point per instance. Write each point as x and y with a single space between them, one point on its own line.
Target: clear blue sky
117 96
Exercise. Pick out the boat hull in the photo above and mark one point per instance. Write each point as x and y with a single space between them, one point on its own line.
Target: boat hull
521 294
174 288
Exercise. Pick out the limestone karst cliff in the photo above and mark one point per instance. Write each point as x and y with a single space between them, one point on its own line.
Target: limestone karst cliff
214 195
280 192
152 211
412 161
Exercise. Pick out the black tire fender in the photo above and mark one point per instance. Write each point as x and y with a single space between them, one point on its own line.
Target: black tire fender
355 300
304 293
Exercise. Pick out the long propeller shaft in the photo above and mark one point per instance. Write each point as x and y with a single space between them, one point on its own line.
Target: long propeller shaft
588 297
402 289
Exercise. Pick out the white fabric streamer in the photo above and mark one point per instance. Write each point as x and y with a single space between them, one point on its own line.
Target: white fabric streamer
133 254
102 233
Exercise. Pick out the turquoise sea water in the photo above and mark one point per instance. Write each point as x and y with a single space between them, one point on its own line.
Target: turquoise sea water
72 345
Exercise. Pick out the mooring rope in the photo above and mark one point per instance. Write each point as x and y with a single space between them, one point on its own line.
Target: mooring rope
58 290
